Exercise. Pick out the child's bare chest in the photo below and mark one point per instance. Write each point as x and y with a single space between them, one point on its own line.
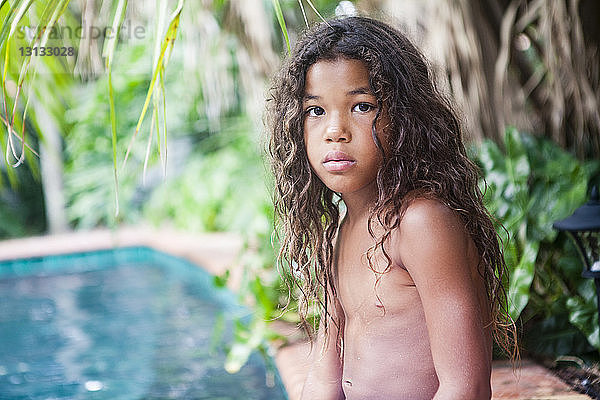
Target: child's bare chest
384 330
366 290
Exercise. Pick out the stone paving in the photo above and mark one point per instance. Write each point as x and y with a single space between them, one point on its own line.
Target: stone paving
216 253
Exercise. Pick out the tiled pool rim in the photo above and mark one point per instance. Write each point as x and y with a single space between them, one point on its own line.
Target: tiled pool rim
218 251
102 258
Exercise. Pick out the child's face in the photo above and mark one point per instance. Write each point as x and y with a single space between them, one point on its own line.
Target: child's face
339 109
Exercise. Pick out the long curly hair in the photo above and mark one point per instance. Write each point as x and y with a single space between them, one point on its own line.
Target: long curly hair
424 158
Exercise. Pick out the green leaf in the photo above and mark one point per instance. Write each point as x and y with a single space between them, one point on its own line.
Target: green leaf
517 163
241 349
282 25
8 29
109 46
167 45
108 53
584 315
514 143
490 156
15 14
221 280
57 12
310 3
521 278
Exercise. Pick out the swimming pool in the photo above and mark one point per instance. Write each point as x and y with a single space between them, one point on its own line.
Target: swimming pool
131 323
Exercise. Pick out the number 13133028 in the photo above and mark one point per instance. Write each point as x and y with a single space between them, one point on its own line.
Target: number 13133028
47 51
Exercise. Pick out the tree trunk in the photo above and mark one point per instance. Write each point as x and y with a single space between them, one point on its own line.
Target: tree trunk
51 168
532 64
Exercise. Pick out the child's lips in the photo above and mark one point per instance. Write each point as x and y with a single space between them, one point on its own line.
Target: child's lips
338 166
337 161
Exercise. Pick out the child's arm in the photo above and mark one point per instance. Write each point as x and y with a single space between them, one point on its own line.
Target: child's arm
434 247
324 379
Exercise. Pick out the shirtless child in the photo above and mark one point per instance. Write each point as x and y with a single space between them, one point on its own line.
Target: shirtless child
408 278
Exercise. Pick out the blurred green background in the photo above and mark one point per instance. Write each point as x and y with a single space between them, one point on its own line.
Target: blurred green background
526 84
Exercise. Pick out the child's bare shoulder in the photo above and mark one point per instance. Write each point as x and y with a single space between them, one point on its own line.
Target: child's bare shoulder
428 226
429 214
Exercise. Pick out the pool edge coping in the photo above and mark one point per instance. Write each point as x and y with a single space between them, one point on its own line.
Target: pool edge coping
215 252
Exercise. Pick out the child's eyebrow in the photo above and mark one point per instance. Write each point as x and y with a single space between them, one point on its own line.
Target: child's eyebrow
311 97
360 90
353 92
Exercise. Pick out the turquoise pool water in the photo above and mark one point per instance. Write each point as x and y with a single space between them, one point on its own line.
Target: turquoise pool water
125 324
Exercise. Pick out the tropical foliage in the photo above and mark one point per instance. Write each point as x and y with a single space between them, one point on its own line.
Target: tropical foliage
532 183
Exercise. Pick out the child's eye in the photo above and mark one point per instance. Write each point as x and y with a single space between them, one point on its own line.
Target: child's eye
315 111
363 107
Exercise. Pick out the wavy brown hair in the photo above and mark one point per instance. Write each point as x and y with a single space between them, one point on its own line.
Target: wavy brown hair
424 157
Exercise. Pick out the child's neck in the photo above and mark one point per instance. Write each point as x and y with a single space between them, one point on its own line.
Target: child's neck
359 205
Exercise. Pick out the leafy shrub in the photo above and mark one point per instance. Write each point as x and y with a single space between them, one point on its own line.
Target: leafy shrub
221 187
531 184
21 202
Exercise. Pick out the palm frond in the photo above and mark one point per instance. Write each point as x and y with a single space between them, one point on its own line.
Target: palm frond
15 14
303 12
164 118
165 51
8 30
282 25
108 53
310 3
50 14
44 26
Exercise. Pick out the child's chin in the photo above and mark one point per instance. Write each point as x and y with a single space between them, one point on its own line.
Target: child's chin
344 183
342 189
335 186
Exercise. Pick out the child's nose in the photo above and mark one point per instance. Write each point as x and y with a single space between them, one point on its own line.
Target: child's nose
337 130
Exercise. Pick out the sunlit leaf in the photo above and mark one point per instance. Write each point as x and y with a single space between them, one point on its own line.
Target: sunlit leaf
6 35
241 350
303 12
516 157
45 24
310 3
108 53
584 315
15 13
57 12
521 278
282 25
166 46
